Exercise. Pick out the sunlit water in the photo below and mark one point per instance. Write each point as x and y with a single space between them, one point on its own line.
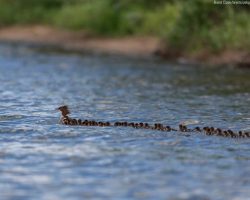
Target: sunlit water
41 159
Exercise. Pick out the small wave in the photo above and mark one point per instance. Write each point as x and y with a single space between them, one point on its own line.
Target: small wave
10 117
190 122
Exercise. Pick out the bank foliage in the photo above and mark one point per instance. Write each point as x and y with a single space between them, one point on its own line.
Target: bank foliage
183 25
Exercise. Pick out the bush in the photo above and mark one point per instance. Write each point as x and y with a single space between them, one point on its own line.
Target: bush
184 25
202 25
98 16
27 11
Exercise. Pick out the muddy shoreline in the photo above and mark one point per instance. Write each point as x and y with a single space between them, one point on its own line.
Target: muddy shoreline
80 41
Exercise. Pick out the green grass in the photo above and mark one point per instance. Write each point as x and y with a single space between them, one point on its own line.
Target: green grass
185 26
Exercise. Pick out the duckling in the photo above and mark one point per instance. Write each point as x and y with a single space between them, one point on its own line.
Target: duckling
65 121
141 125
89 123
205 128
208 131
168 128
132 124
241 134
225 133
116 124
173 129
92 123
198 129
155 126
146 125
74 122
159 127
70 122
107 124
231 133
247 134
182 128
218 132
85 123
100 124
212 130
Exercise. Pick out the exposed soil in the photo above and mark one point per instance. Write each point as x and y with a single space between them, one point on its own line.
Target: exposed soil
79 41
130 46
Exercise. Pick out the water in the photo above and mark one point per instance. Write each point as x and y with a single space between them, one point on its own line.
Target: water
41 159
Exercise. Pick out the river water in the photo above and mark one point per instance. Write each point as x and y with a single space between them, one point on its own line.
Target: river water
41 159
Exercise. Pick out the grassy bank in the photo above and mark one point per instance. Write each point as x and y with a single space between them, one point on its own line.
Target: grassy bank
184 26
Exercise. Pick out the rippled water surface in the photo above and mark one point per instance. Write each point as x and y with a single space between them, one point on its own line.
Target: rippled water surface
41 159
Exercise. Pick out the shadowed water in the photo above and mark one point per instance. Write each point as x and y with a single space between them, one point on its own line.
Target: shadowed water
41 159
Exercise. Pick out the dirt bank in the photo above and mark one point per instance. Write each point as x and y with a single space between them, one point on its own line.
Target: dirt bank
80 41
130 46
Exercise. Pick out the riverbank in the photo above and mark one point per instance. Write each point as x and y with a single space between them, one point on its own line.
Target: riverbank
133 46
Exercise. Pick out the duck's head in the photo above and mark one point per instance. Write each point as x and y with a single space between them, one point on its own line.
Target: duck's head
64 110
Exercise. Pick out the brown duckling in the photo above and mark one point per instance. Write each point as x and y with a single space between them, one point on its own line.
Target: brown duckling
79 122
71 122
107 124
118 123
231 133
168 128
218 132
212 130
155 126
241 134
158 126
132 124
146 125
65 121
100 124
141 125
183 128
85 123
208 131
225 134
205 128
247 134
198 129
89 123
74 122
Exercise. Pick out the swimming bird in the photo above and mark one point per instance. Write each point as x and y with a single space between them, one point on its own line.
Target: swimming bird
65 119
64 111
197 128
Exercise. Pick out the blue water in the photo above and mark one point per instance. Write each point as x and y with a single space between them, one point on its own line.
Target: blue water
41 159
